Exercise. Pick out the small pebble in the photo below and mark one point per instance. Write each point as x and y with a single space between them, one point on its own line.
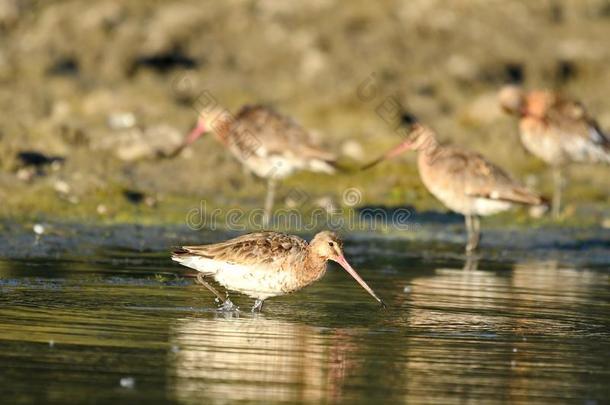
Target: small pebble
515 350
122 120
406 290
175 349
102 209
25 173
150 201
537 211
62 187
128 382
353 149
56 165
327 204
38 229
51 343
296 197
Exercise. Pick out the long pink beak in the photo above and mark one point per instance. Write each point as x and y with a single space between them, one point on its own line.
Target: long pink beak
194 134
190 138
341 260
395 151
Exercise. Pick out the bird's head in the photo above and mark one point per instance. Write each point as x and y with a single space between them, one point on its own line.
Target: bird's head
328 246
209 120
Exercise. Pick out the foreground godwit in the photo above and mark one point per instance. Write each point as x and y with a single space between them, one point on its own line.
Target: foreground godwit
270 145
557 130
464 181
266 264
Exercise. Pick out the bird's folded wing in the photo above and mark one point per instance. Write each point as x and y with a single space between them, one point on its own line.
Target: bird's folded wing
274 133
573 121
252 249
481 178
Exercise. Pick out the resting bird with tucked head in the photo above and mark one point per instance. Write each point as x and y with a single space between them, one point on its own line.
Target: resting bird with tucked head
557 130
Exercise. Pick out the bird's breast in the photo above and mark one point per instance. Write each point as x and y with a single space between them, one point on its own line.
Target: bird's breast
541 140
266 166
265 281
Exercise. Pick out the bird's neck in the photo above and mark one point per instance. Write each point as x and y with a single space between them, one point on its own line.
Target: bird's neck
428 151
314 266
222 128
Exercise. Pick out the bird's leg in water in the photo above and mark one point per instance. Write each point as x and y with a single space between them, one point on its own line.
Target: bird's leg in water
207 285
258 305
468 223
271 183
476 227
557 188
473 231
472 262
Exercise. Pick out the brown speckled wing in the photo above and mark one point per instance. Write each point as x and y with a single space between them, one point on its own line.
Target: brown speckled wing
576 127
254 248
492 182
481 178
278 133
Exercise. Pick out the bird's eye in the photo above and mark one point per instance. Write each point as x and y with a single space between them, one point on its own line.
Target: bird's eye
331 244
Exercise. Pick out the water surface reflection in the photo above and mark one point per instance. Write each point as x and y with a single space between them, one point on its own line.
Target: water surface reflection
458 329
269 360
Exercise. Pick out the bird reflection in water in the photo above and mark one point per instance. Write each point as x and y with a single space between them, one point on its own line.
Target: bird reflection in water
254 358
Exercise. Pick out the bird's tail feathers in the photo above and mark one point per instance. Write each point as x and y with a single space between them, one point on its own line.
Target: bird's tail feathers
192 260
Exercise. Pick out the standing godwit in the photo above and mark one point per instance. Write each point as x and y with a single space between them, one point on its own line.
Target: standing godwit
268 144
266 264
464 181
557 130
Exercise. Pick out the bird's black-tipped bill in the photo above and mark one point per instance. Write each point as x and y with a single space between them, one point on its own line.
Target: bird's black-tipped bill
341 260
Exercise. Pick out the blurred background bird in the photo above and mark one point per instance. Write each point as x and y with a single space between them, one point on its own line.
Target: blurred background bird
124 90
268 144
464 181
557 130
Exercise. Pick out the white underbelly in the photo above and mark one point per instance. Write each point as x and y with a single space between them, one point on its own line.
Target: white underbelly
467 205
543 146
268 166
257 282
485 206
275 167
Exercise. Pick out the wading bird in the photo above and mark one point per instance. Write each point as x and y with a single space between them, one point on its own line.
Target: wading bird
266 264
270 145
464 181
557 130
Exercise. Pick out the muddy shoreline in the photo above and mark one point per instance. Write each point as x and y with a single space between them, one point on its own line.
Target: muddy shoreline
429 240
103 89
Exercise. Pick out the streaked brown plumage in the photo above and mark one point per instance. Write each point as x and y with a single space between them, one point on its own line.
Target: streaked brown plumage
557 130
270 145
464 181
267 264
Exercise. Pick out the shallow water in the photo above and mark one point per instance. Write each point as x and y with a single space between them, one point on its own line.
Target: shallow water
126 325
